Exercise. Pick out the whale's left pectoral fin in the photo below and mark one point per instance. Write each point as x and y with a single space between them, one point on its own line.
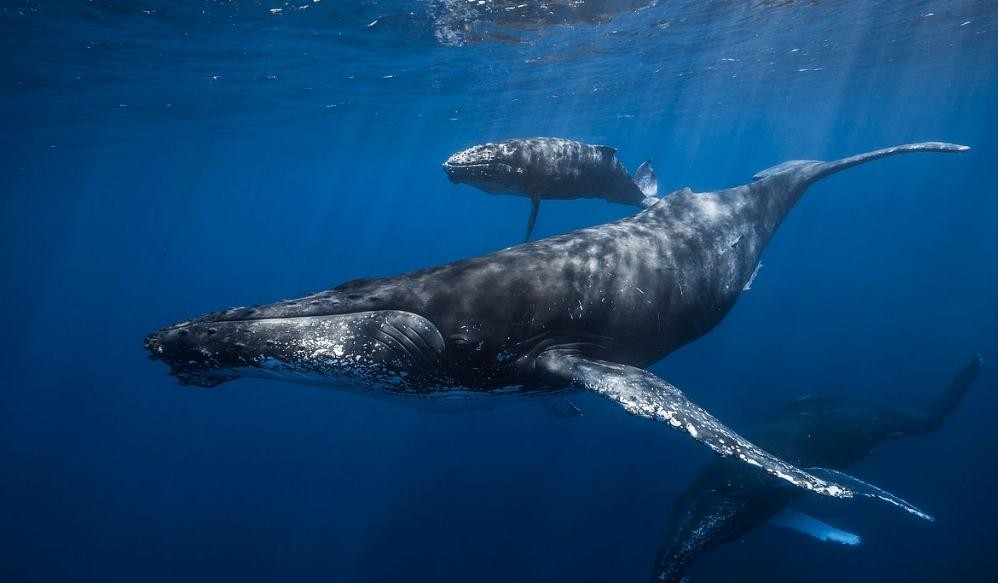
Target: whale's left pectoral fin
811 526
861 488
644 394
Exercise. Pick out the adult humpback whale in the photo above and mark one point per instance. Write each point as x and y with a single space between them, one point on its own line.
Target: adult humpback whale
726 500
552 168
585 310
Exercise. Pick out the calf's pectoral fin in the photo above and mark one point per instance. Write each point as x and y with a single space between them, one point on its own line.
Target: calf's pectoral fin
644 394
535 205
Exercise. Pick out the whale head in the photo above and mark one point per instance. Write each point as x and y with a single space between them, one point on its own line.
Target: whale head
493 168
376 348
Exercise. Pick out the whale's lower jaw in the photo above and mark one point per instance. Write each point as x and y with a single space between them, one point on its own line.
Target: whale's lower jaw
370 377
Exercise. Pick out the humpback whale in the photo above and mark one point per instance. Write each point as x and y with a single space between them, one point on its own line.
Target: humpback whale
725 501
552 168
587 310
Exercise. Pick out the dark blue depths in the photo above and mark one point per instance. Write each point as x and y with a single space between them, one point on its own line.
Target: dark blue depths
164 164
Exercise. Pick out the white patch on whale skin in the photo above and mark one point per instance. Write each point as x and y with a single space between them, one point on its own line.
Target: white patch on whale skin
710 207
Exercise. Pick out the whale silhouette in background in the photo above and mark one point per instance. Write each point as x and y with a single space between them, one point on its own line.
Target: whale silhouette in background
727 500
583 311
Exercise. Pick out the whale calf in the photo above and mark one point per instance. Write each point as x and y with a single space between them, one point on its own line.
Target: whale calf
726 501
552 168
586 311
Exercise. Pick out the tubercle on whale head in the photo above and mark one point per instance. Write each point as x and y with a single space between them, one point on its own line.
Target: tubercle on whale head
385 348
493 168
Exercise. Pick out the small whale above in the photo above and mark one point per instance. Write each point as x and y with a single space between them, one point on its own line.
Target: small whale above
552 168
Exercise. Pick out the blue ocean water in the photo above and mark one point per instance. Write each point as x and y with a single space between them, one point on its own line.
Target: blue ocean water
165 159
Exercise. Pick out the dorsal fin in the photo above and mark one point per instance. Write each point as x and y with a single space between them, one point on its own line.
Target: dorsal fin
608 150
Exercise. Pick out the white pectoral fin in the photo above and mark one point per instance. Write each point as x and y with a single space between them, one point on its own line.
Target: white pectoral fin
811 526
641 393
862 488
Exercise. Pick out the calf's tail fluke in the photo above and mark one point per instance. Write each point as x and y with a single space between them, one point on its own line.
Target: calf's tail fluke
823 169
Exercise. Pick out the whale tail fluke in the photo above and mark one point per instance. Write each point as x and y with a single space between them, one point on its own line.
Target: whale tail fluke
822 169
813 170
646 181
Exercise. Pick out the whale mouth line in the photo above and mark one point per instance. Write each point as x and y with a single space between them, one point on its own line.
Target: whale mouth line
461 165
463 171
492 176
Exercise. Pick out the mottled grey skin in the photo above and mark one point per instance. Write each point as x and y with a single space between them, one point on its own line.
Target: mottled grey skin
728 500
551 168
545 168
585 310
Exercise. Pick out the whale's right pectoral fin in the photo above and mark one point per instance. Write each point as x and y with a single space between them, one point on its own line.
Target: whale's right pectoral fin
811 526
644 394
